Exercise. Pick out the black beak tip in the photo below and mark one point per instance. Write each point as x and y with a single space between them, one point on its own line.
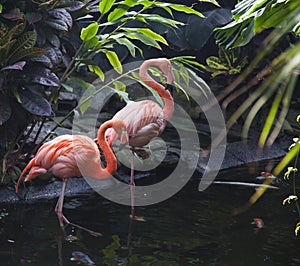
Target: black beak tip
169 87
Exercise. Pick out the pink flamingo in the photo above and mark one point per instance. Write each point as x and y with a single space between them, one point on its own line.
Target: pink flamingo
145 119
75 155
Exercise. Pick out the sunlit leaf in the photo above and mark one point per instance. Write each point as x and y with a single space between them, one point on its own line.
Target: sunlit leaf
89 32
97 70
117 13
149 33
215 63
185 74
185 9
84 104
297 228
114 61
211 1
144 39
67 87
106 5
130 46
91 43
87 86
270 119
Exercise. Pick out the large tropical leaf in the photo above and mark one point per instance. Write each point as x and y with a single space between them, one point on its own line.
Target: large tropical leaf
62 15
43 76
57 24
30 52
34 103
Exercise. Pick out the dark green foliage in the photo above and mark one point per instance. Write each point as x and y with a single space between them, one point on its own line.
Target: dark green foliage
253 17
32 35
228 62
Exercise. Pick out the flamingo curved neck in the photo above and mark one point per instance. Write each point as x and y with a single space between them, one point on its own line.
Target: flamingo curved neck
111 161
160 89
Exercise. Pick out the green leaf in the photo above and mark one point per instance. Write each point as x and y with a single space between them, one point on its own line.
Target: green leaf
26 41
88 87
185 9
67 87
271 16
270 119
185 75
297 228
154 93
144 39
89 32
188 60
130 46
296 29
97 70
155 18
246 8
119 86
211 1
149 33
84 103
105 6
114 61
117 13
215 63
91 43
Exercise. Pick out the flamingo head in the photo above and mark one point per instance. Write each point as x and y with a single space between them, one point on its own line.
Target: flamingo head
165 66
118 130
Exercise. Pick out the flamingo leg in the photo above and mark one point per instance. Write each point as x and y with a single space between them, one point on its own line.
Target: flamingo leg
59 205
62 218
132 184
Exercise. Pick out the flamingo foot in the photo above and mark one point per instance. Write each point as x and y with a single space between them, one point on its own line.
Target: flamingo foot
62 219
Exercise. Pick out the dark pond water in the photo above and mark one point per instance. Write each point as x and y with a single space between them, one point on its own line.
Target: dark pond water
191 228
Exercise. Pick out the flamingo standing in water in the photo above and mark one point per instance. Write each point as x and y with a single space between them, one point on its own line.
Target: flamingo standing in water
145 119
75 155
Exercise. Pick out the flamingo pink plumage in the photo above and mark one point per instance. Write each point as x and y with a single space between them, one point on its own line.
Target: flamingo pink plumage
146 119
75 155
